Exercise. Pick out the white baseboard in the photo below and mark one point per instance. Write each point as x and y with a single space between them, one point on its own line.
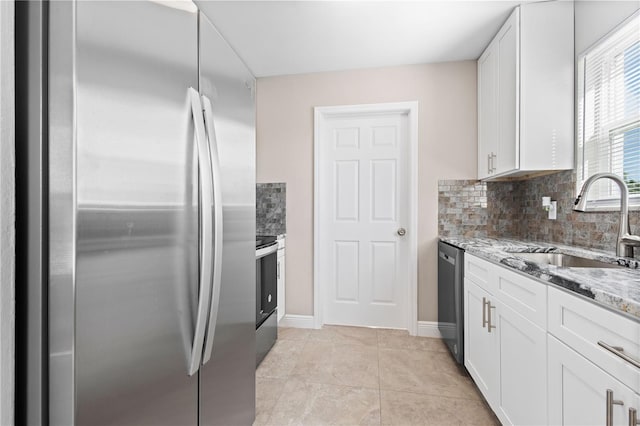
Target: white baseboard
428 329
297 321
425 328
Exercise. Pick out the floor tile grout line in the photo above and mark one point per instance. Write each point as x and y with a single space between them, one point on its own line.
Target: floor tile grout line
439 395
314 382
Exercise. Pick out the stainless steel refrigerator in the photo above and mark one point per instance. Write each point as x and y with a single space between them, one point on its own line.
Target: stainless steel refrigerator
136 253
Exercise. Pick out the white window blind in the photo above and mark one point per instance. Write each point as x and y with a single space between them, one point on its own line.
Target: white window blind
609 113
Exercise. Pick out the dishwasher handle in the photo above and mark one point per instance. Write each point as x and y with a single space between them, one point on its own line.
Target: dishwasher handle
447 258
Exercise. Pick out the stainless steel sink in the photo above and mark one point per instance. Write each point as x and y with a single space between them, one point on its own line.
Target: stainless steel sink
566 260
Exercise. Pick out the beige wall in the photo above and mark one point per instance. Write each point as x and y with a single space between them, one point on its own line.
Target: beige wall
446 94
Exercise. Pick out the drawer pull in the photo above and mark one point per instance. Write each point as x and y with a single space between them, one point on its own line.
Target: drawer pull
490 326
617 350
610 403
633 417
484 312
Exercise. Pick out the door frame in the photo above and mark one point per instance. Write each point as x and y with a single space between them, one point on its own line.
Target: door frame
321 115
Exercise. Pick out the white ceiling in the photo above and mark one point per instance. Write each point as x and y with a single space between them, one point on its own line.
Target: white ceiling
293 37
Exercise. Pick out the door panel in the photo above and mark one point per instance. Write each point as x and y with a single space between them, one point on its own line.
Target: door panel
383 191
347 271
523 391
364 176
487 110
227 381
347 190
508 99
137 221
480 346
383 266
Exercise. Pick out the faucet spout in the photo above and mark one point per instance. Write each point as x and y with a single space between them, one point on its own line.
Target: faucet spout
626 241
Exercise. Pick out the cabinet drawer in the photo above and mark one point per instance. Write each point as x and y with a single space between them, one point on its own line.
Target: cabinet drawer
581 325
479 271
524 295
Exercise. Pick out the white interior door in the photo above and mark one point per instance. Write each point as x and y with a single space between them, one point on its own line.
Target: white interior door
363 205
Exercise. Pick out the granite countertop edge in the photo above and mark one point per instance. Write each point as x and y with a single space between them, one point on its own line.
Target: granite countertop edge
615 288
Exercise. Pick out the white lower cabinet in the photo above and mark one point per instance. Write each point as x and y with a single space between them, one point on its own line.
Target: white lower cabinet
578 391
522 398
541 355
505 354
480 348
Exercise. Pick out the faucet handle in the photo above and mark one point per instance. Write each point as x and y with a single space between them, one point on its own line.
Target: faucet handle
631 240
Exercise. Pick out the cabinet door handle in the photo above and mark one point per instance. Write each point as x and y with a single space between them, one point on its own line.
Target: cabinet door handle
493 166
610 403
633 417
278 270
619 351
489 306
484 312
489 163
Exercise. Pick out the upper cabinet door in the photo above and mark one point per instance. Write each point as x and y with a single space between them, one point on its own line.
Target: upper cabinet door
525 93
487 110
508 95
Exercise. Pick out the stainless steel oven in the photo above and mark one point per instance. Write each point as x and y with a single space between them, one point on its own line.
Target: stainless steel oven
266 295
266 281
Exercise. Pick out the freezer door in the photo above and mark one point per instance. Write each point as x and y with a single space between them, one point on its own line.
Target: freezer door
227 380
137 244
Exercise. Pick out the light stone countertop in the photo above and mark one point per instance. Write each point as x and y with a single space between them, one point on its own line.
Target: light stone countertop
616 288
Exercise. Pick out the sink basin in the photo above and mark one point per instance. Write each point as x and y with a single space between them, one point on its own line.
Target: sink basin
566 260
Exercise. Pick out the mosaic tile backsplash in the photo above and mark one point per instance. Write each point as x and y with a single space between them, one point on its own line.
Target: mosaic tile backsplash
514 210
271 208
462 208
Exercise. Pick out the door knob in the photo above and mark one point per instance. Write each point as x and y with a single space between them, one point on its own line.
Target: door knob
401 231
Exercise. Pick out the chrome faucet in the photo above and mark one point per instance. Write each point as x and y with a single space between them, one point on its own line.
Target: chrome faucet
626 241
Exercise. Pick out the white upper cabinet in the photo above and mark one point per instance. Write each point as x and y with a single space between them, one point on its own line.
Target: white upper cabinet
525 93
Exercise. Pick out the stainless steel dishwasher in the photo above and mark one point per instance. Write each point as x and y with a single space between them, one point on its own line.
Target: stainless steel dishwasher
450 298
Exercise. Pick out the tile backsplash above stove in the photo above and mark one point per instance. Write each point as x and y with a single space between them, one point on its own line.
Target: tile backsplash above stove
271 208
462 208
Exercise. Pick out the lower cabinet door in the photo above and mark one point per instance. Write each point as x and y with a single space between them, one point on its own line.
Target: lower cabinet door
577 390
522 399
480 346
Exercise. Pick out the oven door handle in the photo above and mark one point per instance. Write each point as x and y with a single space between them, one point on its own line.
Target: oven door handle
218 228
265 251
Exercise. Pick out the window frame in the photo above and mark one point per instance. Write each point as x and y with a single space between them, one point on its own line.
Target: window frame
612 203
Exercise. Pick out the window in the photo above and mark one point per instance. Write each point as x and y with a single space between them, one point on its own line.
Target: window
609 114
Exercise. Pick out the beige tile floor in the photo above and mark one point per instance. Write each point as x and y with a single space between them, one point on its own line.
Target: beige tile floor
363 376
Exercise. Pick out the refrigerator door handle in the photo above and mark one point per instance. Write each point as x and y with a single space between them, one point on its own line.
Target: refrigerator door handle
218 227
206 230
